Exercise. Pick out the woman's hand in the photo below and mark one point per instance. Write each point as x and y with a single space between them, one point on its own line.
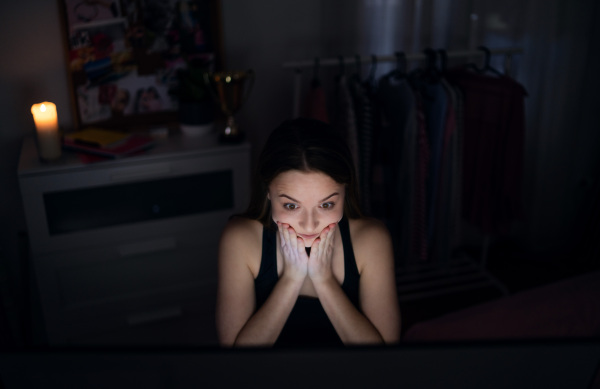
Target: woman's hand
295 259
321 255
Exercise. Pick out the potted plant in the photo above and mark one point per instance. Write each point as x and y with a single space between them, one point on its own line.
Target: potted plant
196 106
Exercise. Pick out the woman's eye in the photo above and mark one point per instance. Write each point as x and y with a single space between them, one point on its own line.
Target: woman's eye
327 205
290 206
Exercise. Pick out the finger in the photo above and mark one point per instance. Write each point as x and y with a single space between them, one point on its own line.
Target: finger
300 246
324 232
315 247
330 238
286 235
292 238
280 231
328 229
331 233
296 242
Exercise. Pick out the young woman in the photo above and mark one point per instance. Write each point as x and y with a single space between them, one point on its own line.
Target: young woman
302 266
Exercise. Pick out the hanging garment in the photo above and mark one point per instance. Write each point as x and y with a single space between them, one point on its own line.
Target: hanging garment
494 130
363 108
442 238
434 99
419 226
375 180
345 118
457 169
398 148
315 103
378 203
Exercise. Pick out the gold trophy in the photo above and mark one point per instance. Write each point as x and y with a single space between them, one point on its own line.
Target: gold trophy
230 89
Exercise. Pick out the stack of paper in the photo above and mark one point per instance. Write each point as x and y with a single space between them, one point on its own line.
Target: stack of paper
107 143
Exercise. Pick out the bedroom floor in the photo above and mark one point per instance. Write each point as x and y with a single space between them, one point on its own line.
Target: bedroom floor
514 270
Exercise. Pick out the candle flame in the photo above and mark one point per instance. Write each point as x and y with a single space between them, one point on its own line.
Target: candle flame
43 108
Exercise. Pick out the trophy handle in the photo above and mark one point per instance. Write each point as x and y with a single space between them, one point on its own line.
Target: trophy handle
210 87
250 77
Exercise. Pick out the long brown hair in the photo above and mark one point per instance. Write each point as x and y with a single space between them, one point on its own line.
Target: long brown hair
305 145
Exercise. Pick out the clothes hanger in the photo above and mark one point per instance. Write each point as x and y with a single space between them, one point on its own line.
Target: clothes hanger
507 64
315 78
371 78
357 67
473 67
431 72
486 62
401 64
443 55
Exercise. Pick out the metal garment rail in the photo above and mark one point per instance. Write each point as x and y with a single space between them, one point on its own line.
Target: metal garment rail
298 66
431 279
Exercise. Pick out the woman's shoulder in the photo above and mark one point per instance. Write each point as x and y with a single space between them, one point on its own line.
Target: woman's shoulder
370 241
241 243
367 228
243 230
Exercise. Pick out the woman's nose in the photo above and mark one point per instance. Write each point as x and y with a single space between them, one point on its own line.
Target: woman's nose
310 222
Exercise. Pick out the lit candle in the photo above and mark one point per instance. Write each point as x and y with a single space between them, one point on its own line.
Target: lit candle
46 124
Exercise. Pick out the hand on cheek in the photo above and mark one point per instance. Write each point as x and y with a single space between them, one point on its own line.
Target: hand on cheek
321 255
295 259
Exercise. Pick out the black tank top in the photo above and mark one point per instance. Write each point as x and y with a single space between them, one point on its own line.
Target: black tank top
308 324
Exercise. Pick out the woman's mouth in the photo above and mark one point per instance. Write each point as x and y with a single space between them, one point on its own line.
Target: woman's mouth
308 237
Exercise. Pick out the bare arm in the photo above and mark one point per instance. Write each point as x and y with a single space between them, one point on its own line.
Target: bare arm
379 321
237 323
351 325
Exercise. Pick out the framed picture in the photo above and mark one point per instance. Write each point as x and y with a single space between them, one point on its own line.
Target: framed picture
125 57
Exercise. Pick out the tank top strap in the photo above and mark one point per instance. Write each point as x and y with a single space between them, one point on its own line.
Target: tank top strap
267 274
351 275
268 261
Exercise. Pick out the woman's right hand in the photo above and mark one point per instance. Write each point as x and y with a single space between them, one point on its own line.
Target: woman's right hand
295 259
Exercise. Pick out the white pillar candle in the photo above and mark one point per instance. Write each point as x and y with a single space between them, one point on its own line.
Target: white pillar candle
46 125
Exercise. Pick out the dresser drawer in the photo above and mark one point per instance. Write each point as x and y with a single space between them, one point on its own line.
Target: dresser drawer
101 205
128 284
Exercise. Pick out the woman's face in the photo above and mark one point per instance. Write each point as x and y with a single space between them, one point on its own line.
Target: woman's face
307 201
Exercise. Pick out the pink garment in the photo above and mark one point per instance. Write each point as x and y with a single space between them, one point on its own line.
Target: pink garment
441 246
315 103
494 132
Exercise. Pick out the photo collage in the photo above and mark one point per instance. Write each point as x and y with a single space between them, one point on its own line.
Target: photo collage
124 56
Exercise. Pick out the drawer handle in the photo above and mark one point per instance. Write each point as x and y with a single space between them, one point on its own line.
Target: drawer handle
151 316
147 247
140 174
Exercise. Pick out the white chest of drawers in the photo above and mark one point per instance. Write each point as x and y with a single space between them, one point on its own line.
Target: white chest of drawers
119 243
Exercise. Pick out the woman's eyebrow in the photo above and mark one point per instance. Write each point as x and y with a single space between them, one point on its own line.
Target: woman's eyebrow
294 200
330 196
291 198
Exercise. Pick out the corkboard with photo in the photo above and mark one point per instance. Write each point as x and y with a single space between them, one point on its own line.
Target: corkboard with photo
124 57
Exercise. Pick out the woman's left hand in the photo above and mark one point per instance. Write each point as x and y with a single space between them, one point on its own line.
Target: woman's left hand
321 255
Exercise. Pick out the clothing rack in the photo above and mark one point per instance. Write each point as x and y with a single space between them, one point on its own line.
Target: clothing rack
422 281
297 66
